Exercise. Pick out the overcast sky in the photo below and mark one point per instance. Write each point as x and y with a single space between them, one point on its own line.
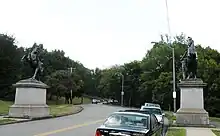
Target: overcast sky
101 33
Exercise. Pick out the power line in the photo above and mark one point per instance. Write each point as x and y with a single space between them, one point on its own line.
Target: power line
173 52
168 20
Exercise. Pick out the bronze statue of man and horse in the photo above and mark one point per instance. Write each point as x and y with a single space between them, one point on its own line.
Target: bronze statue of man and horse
33 59
189 61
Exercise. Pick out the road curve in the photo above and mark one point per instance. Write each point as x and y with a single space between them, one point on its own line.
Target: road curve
81 124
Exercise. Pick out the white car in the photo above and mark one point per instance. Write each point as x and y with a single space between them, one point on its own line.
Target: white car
151 105
95 101
154 110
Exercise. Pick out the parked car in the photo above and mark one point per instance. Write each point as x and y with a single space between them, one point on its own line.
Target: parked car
152 105
105 102
130 123
95 101
154 110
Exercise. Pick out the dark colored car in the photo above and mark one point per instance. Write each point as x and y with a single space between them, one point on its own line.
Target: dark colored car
130 123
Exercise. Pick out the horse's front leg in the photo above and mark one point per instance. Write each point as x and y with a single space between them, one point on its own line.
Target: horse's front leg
35 73
41 67
189 75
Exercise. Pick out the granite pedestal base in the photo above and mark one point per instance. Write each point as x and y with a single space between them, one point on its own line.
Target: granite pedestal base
192 117
30 100
192 112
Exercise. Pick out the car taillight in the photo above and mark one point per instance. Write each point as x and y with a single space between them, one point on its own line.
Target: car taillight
98 133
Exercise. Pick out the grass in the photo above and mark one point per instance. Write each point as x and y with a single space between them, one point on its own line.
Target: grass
4 106
85 100
62 109
55 109
215 119
75 101
216 132
176 132
2 121
170 117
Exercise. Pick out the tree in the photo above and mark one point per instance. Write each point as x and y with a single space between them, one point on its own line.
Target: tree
62 82
144 81
10 70
151 79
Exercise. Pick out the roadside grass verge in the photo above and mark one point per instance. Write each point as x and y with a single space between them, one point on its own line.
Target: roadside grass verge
176 132
76 101
216 132
4 106
170 117
3 121
215 119
54 109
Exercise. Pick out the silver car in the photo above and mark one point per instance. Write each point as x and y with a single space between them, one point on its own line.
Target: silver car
154 110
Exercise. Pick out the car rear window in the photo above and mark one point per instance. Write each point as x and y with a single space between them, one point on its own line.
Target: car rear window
127 120
153 110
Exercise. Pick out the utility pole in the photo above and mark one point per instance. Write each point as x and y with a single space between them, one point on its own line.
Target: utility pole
71 91
122 89
174 71
174 83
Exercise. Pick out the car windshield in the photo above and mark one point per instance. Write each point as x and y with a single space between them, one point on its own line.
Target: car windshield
127 121
153 110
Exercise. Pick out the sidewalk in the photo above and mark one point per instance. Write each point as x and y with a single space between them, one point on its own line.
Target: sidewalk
190 131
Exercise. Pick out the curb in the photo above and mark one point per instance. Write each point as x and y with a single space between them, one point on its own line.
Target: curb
42 118
174 125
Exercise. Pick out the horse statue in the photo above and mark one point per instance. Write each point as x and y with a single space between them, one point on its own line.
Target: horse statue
189 61
33 59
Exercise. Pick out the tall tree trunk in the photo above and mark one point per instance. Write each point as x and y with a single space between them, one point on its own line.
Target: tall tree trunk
71 100
50 97
81 99
57 99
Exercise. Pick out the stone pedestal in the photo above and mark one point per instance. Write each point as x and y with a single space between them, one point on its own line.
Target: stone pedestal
192 112
30 99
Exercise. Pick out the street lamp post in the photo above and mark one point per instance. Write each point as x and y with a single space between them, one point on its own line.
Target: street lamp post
174 82
71 91
122 88
174 75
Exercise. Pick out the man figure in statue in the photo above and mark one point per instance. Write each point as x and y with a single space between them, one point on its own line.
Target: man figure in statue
189 61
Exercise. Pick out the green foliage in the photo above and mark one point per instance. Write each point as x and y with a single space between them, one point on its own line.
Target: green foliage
216 132
3 121
56 72
150 80
170 117
4 106
176 132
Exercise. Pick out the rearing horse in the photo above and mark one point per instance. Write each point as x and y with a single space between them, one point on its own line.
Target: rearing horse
34 61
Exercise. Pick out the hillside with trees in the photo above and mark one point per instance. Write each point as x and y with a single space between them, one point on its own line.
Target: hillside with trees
150 80
56 71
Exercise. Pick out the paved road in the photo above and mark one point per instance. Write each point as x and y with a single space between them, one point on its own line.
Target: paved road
81 124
